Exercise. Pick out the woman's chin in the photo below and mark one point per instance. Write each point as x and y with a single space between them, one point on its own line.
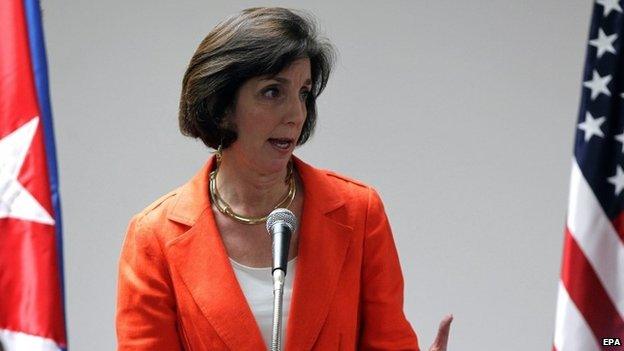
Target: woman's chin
276 161
271 164
276 165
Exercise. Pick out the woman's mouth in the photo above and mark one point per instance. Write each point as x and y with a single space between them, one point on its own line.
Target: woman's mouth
282 144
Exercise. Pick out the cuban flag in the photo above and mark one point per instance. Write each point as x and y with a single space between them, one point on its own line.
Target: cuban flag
31 280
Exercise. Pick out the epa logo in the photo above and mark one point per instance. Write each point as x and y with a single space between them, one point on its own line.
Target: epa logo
611 342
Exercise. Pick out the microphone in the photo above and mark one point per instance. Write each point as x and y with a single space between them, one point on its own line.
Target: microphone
281 224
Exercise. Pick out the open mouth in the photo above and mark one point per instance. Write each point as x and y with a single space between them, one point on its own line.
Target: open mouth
281 143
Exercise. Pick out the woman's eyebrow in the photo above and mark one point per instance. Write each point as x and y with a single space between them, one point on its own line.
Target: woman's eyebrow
286 80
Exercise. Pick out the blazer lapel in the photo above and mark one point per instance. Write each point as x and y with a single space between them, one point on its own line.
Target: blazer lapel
201 260
323 244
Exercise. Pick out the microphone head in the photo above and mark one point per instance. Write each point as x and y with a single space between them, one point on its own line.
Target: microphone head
283 216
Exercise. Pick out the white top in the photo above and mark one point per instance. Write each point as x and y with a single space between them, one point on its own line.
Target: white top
257 286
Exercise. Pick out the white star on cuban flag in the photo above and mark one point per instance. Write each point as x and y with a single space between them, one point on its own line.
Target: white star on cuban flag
15 200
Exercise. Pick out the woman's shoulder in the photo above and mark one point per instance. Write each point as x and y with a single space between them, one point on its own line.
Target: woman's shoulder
357 200
355 190
159 206
153 219
343 180
330 177
177 209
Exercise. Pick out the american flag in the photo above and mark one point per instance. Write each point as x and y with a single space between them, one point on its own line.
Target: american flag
590 305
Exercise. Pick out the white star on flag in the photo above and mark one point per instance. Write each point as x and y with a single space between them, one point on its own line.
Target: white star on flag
604 43
591 126
598 85
609 5
15 200
617 180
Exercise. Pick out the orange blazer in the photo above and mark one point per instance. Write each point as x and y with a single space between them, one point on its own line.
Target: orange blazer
177 289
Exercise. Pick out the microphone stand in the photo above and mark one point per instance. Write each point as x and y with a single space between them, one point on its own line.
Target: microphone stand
281 223
278 293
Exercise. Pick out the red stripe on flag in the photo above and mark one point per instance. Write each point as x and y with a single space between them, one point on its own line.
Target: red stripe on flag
588 294
618 224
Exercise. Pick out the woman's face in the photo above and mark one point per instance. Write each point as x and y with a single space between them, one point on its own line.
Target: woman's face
268 116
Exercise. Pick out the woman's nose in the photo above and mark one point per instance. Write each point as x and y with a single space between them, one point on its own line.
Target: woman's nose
296 112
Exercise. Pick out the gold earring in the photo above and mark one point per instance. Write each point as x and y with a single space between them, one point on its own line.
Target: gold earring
219 154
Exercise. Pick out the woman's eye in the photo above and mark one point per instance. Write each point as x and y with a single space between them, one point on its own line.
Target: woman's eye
274 93
271 93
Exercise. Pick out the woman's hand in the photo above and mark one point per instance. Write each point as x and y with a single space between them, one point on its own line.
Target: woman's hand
443 333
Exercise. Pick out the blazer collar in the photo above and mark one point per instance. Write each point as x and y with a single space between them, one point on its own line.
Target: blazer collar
324 239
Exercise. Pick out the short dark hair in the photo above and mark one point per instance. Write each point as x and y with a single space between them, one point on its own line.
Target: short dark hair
257 41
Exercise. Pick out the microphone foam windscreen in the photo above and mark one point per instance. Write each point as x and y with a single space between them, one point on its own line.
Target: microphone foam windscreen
282 215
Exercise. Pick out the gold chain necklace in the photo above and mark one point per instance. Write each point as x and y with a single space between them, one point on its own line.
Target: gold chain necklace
226 209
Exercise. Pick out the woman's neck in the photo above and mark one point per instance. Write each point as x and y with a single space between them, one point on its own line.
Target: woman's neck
248 191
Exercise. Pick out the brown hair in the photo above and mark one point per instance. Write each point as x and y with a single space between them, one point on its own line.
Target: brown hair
257 41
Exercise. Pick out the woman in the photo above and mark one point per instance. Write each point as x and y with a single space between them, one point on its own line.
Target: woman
192 272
